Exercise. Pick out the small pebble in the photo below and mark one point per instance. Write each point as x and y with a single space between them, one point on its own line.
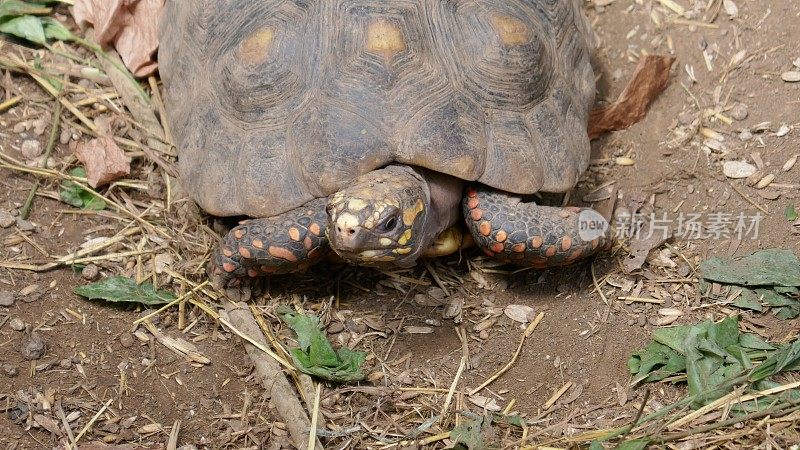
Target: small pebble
783 131
33 347
738 112
10 371
65 136
16 324
7 298
65 363
31 148
335 327
738 169
39 126
642 320
21 127
90 272
792 76
126 340
6 218
25 225
745 135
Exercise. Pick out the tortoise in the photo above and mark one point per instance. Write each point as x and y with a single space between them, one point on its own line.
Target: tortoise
373 128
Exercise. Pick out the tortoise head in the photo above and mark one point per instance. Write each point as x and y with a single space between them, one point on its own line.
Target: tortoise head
380 219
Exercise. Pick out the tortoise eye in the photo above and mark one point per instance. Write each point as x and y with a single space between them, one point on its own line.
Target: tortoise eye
389 224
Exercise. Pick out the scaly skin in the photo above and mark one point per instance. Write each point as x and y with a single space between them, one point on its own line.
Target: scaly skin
527 234
286 243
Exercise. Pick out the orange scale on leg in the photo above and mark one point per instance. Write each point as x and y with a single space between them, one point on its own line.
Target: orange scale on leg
252 272
566 243
518 248
476 214
238 234
228 267
497 247
485 228
227 252
473 202
245 252
536 242
551 251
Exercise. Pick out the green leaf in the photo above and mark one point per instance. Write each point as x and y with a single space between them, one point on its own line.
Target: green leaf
636 444
315 355
596 445
513 419
754 341
788 356
121 289
470 434
748 300
26 27
774 267
73 194
787 290
787 312
656 362
53 29
773 298
725 333
674 337
791 213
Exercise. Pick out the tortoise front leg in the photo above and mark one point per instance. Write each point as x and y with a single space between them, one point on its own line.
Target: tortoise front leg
285 243
529 234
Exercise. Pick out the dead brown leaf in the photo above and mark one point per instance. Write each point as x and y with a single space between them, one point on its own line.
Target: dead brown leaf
649 79
131 26
639 249
104 160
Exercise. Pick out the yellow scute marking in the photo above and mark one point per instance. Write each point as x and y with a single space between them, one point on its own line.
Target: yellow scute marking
255 48
356 204
385 242
410 214
347 220
405 237
385 37
403 250
511 30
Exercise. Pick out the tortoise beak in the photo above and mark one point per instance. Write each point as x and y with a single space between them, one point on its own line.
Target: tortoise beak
347 239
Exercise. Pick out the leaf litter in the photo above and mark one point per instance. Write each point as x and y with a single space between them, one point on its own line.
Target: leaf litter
768 279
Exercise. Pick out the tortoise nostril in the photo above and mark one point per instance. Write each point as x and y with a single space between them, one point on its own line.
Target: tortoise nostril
351 231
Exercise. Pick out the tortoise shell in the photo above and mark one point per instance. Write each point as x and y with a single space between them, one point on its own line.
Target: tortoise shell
275 103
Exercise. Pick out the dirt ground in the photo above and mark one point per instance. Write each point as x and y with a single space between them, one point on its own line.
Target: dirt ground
670 163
